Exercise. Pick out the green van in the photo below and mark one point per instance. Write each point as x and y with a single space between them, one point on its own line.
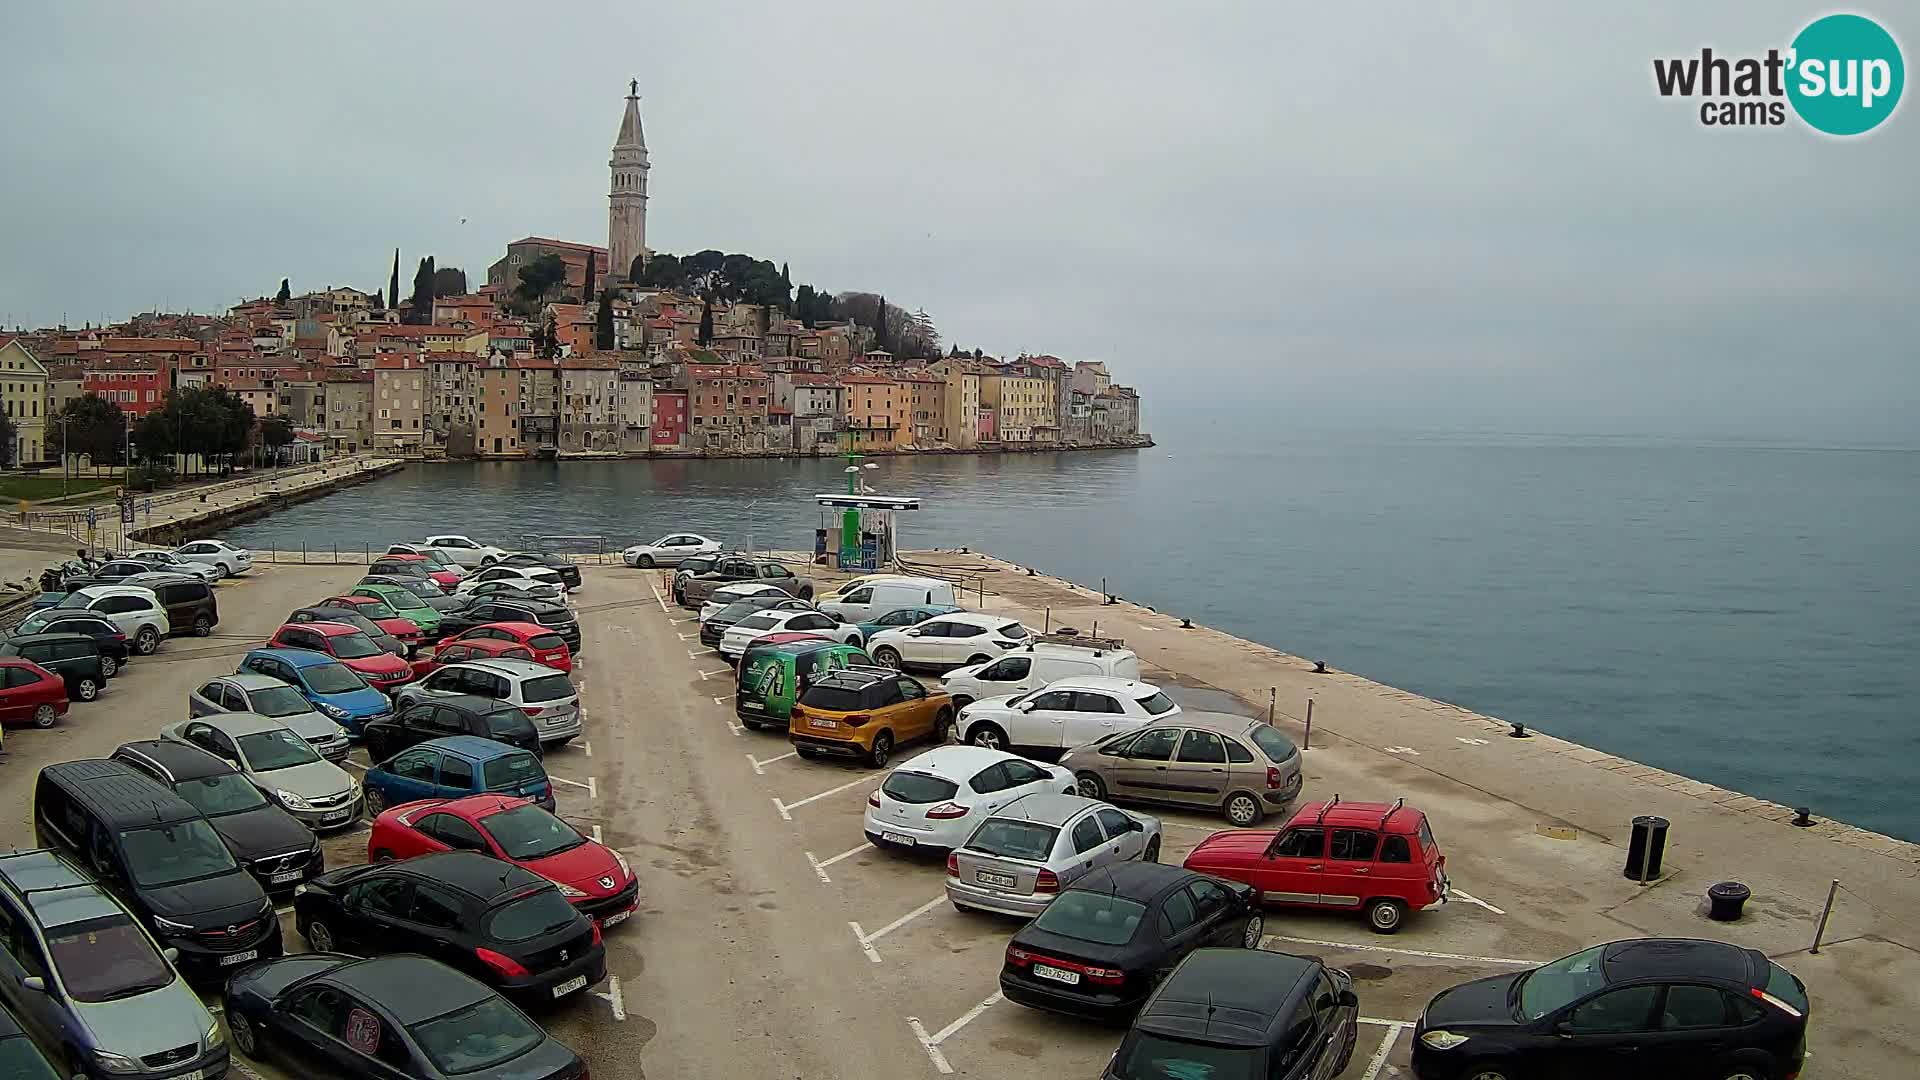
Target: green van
772 677
404 604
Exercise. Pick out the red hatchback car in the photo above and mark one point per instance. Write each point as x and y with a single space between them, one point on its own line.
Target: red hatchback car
381 669
404 630
30 694
594 877
446 579
451 652
547 647
1349 856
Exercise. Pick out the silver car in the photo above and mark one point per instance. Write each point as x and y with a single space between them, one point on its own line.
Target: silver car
1019 859
545 695
318 793
249 692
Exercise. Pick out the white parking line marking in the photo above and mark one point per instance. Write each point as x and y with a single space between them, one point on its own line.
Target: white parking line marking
867 940
592 791
737 730
931 1043
355 764
586 745
1469 742
1403 952
612 997
705 675
720 701
1165 824
784 807
1408 750
820 868
1456 894
1379 1058
759 766
661 600
245 1070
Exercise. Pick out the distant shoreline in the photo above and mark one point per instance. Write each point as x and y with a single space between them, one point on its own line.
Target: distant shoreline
1142 443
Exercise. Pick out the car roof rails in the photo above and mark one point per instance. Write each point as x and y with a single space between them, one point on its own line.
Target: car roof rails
1397 804
1067 635
1330 804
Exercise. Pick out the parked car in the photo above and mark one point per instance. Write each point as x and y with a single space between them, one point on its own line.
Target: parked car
1063 715
936 800
439 575
739 568
390 1016
1243 1012
111 572
73 657
1348 856
136 611
46 599
101 989
336 690
404 604
672 549
351 616
376 611
167 562
162 859
250 692
1017 860
381 669
569 572
19 1057
455 766
424 589
1102 945
689 566
881 596
543 645
593 877
714 628
557 618
865 713
900 618
1239 766
454 652
543 694
776 669
465 551
517 589
318 793
1652 1007
30 694
728 595
105 634
1036 665
760 623
416 722
277 850
437 556
519 575
219 554
189 601
949 641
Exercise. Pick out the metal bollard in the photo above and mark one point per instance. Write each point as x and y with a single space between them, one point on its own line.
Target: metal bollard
1307 744
1821 929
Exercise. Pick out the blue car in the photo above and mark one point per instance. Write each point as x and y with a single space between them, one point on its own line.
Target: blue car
455 767
335 689
912 616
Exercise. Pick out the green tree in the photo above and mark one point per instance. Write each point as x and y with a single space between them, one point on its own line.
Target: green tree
537 279
393 285
420 303
276 433
706 318
284 294
548 343
9 441
803 306
603 324
881 338
586 287
379 299
449 281
90 425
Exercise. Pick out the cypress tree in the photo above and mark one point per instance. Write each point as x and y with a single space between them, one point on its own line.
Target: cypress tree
586 292
603 324
393 285
285 293
880 324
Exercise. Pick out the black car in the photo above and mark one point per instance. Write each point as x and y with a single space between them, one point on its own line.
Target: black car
558 618
1102 945
391 1016
381 639
412 568
569 573
19 1058
162 858
1243 1012
1672 1008
111 572
188 601
689 566
73 657
715 628
497 922
107 637
279 851
463 714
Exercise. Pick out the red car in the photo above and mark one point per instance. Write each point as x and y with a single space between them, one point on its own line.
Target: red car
381 669
1345 856
30 694
446 579
452 653
547 647
406 631
594 877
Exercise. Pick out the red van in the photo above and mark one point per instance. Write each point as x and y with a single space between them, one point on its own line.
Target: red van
1350 856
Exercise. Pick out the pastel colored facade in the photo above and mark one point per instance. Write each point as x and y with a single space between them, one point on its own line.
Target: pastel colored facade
401 397
926 407
959 425
65 383
589 404
451 376
1090 377
636 411
729 406
876 413
627 189
670 420
816 409
137 386
504 275
467 308
262 397
1022 407
349 404
497 412
23 395
539 403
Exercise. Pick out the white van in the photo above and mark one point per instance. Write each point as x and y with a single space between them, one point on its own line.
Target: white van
1035 666
876 597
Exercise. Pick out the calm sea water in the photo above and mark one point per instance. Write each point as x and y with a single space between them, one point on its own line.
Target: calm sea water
1747 615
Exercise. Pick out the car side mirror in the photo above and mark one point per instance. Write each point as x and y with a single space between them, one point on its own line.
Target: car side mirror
34 982
1349 999
172 954
1563 1028
1026 706
1133 825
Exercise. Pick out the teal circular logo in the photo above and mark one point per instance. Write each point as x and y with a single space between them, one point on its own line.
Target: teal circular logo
1846 74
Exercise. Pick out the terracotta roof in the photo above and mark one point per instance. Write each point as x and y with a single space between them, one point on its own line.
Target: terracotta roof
725 371
437 357
590 363
565 244
395 363
816 381
869 380
135 344
776 410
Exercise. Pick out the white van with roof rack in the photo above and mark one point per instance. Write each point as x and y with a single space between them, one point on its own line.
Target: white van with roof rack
1048 658
879 596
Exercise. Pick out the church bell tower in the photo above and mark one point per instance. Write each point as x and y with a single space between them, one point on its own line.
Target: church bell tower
627 194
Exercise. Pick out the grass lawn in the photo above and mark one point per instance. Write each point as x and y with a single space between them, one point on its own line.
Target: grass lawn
16 486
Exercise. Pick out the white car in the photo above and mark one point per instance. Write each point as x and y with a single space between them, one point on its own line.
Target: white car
219 554
1063 714
727 594
134 609
669 550
937 799
547 696
516 575
465 551
437 556
964 637
164 561
761 623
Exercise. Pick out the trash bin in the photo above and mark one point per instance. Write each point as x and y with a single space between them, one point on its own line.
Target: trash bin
1649 842
1725 899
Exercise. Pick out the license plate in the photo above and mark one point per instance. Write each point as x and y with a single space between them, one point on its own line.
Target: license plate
616 918
824 725
578 982
196 1074
291 875
988 877
754 705
897 838
1046 971
555 721
337 815
239 958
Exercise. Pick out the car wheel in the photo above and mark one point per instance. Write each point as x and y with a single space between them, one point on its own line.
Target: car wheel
1152 854
979 658
225 570
806 592
86 689
1385 916
376 803
1487 1070
882 751
108 665
1744 1072
486 561
645 562
147 640
1091 786
320 936
240 1029
1242 809
1250 937
44 716
202 626
961 701
989 736
887 656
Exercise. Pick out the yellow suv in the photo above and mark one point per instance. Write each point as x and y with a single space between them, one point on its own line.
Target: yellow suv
865 713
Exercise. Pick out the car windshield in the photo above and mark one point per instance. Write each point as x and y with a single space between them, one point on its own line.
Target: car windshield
33 624
333 679
376 609
278 701
509 721
227 793
737 610
917 788
1028 840
169 854
831 698
358 622
276 749
507 773
546 688
104 959
547 642
1276 746
481 1035
536 913
1145 1056
74 600
1561 983
528 832
1156 704
354 646
1092 916
758 622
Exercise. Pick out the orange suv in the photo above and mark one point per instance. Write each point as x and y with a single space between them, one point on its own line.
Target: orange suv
865 713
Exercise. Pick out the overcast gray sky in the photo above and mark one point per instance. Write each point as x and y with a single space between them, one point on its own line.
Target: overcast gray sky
1393 214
